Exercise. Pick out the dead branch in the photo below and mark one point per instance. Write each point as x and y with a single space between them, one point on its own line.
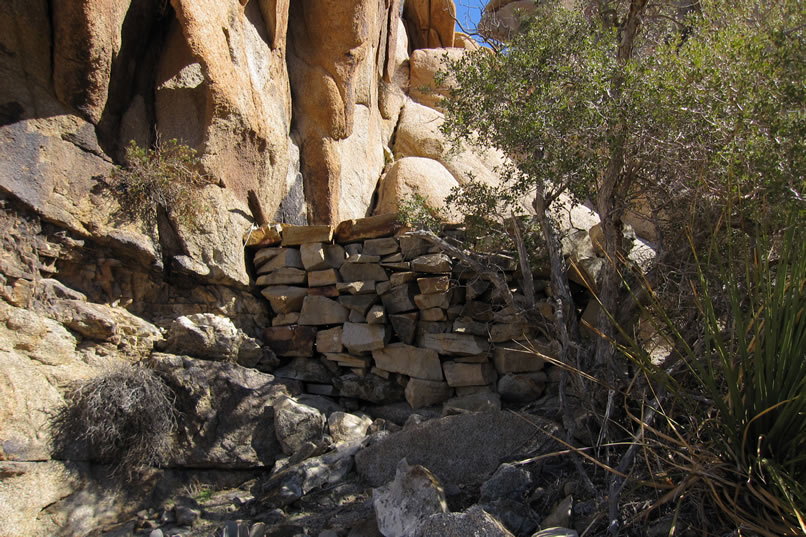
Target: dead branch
498 282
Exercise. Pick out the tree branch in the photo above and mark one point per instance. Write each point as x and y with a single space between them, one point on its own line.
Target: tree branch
498 282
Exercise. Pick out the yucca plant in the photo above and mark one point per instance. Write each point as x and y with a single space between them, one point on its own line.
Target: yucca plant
748 368
755 368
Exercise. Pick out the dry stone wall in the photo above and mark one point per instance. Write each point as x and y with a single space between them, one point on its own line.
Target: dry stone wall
368 311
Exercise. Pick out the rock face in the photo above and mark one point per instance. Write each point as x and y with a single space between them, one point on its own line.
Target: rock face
502 18
430 22
454 448
412 175
297 424
334 82
425 63
226 418
418 135
85 78
476 521
214 337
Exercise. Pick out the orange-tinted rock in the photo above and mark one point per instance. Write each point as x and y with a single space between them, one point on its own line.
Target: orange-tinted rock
222 82
382 225
430 22
297 235
333 75
268 235
411 175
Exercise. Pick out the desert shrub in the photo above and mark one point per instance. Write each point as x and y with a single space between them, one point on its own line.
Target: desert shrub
415 212
166 178
482 208
125 418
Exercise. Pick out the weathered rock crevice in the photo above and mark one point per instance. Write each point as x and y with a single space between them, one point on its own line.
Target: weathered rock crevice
132 74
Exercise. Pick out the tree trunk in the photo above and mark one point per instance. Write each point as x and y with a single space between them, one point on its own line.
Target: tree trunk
613 188
559 270
565 318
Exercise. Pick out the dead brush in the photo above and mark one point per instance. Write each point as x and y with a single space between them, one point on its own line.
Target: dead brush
125 418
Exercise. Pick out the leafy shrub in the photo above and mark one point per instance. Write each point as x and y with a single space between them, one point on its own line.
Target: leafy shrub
482 207
415 212
166 177
125 418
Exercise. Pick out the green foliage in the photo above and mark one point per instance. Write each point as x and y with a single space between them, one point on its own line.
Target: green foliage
726 107
125 418
710 108
480 205
703 115
754 368
415 212
199 491
164 178
488 212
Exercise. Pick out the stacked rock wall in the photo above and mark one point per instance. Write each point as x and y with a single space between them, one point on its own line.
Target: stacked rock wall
371 312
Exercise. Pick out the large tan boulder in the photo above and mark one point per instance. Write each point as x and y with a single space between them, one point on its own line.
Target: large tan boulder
430 22
425 64
410 175
419 135
362 160
462 40
225 93
50 156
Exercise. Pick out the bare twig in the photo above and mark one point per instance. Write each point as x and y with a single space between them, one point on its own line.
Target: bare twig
526 270
619 478
498 282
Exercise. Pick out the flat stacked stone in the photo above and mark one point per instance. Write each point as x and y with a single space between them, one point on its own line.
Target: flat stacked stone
298 235
365 313
408 360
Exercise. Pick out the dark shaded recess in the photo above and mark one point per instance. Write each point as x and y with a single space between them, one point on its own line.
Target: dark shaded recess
134 70
170 243
291 209
11 112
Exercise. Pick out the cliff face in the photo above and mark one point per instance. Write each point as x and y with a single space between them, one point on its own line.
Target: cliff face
294 104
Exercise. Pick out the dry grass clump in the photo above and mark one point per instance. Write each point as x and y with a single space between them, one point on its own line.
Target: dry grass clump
165 178
125 418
